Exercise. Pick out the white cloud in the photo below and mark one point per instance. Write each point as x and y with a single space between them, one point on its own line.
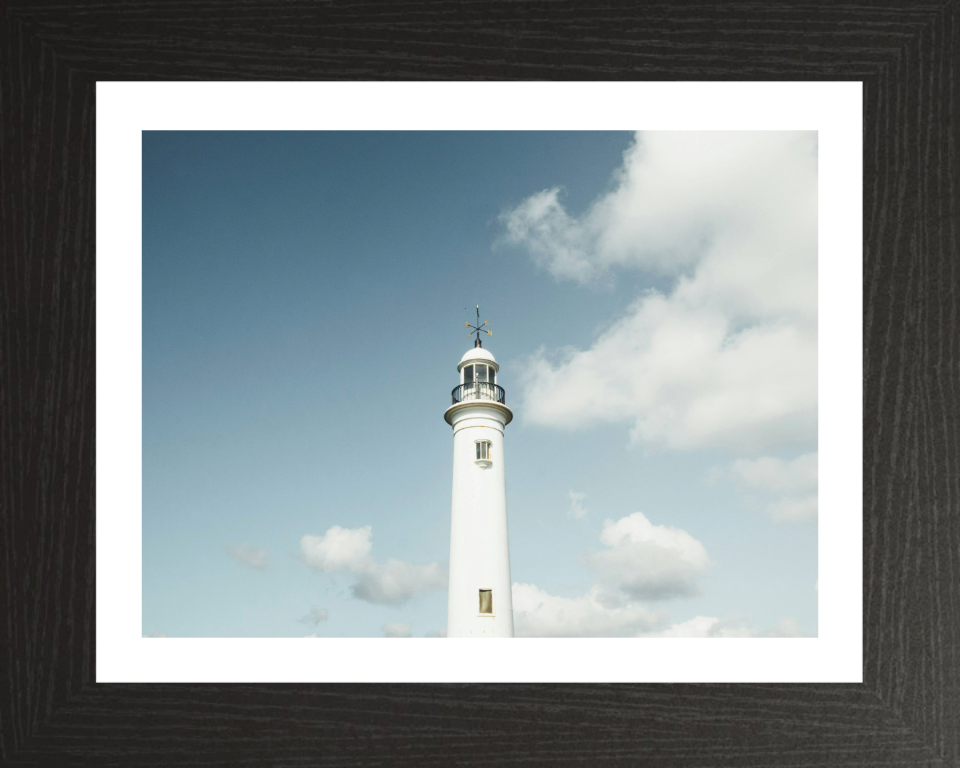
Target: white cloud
394 629
708 626
537 613
314 616
786 490
555 241
647 561
347 550
698 626
577 512
255 558
725 359
396 581
642 562
437 633
339 549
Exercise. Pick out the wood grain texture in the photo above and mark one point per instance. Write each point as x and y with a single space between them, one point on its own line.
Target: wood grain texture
907 713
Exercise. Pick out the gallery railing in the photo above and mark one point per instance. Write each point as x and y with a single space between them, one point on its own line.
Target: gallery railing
479 390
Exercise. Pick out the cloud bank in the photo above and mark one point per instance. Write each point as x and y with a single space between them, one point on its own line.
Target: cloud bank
537 613
725 359
707 626
648 562
643 562
347 550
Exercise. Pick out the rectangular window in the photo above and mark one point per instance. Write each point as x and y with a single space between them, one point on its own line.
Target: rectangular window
478 451
486 601
468 375
491 376
481 373
483 450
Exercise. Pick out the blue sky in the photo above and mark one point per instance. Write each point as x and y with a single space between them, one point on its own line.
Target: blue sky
304 300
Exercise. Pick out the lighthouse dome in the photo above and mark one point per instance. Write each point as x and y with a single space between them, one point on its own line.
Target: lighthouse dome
478 355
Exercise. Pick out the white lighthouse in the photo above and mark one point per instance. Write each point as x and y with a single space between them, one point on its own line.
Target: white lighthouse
479 603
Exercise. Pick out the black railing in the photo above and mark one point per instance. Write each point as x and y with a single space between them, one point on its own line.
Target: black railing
479 390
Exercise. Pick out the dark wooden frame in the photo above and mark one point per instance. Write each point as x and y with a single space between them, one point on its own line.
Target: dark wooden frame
907 712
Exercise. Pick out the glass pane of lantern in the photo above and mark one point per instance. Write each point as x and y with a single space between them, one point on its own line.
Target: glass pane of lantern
468 375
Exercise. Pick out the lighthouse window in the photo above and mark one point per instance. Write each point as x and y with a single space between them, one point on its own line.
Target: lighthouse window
486 601
483 450
479 373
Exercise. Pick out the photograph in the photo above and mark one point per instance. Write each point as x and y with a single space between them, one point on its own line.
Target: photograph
339 338
444 384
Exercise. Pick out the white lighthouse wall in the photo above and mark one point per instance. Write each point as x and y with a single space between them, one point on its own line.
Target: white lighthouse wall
479 549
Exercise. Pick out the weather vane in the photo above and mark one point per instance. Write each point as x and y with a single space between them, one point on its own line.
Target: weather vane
478 329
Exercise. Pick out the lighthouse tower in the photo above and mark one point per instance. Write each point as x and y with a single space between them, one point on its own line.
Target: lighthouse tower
479 603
